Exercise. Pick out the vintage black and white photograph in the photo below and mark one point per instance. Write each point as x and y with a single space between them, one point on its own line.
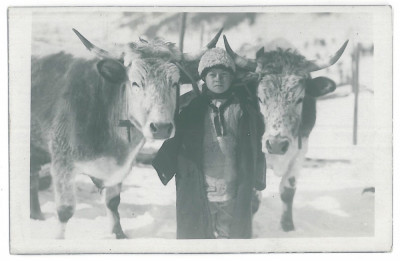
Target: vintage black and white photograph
157 130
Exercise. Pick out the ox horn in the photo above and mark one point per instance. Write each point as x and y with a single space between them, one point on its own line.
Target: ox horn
92 48
248 64
316 65
196 56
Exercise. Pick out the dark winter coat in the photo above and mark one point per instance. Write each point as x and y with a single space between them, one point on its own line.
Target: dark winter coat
182 155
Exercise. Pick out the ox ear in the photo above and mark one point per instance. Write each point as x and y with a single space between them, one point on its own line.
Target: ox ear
320 86
112 70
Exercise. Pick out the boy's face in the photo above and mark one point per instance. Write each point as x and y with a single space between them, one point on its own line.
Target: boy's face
218 80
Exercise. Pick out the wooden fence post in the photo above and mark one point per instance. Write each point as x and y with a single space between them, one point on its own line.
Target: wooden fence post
182 31
355 85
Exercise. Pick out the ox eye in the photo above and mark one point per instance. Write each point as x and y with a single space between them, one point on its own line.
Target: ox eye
134 84
299 101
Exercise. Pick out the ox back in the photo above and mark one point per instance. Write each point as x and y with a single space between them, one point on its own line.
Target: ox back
289 116
92 116
287 99
73 102
74 118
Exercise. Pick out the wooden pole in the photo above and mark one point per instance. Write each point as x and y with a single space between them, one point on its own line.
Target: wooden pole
182 31
201 34
355 69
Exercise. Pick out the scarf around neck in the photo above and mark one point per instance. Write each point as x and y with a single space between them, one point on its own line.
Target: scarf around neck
219 120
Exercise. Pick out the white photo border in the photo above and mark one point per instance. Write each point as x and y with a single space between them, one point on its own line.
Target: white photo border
19 110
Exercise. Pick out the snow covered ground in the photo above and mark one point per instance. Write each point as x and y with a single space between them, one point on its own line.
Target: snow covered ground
328 202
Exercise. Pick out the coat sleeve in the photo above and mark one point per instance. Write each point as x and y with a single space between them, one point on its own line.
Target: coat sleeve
261 172
165 162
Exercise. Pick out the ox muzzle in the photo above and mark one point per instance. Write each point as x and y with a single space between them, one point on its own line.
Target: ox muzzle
161 130
277 145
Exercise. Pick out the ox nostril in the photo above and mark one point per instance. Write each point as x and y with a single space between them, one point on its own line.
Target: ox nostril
277 146
285 146
153 128
161 130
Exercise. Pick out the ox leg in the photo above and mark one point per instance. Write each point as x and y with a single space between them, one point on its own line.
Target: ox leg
287 191
112 199
38 157
36 212
64 189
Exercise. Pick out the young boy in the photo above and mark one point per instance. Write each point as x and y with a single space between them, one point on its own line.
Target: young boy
215 156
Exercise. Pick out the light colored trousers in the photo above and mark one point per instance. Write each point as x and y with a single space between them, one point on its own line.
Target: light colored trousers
222 216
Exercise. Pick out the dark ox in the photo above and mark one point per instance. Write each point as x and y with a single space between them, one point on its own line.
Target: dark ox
287 100
93 116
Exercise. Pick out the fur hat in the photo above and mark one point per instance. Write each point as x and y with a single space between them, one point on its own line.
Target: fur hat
215 57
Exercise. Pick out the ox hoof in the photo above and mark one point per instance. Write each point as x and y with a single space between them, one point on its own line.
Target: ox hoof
120 235
37 216
287 226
